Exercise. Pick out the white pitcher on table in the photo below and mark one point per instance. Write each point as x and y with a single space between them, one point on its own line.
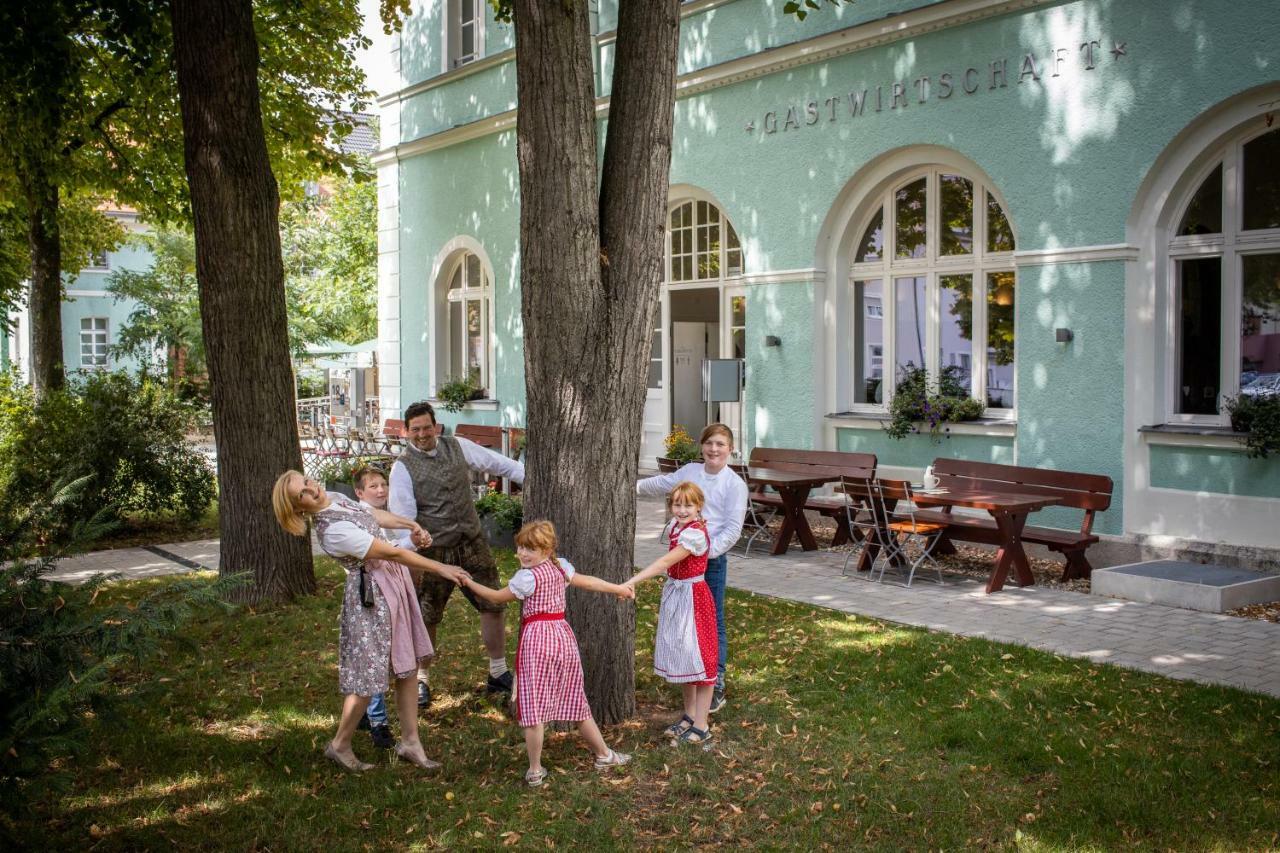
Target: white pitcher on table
930 480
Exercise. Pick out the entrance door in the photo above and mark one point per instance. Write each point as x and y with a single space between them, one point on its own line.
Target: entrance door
733 344
655 402
695 336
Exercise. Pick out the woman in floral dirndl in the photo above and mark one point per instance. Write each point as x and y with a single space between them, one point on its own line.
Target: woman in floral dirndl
685 649
380 627
548 667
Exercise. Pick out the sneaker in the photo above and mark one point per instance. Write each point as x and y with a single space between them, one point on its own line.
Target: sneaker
363 725
424 694
381 735
717 700
535 778
613 759
501 684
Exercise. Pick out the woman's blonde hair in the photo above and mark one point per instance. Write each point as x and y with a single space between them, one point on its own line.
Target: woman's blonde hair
538 536
688 493
716 429
287 513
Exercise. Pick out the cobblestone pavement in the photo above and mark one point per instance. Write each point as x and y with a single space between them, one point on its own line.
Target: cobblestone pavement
1185 644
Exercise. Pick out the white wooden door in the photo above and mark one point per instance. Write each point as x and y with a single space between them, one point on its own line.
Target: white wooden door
655 404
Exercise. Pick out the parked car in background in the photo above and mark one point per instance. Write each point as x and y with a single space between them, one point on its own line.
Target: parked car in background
1265 385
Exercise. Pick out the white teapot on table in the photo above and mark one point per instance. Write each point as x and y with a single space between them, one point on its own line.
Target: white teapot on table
930 480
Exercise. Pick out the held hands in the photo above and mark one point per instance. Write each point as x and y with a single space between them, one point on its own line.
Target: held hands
454 574
624 591
419 536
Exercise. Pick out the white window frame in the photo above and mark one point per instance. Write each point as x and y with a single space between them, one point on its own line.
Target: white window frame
453 26
979 264
1231 246
94 258
468 292
98 339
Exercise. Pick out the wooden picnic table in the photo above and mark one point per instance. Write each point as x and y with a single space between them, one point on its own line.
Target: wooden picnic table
1009 510
793 488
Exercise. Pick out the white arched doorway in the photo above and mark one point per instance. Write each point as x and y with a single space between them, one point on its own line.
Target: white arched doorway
702 316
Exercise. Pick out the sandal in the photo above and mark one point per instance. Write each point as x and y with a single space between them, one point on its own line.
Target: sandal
535 778
613 759
679 727
696 737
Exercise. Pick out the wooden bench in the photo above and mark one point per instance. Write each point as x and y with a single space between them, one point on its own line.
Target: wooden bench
486 436
832 462
491 438
1090 493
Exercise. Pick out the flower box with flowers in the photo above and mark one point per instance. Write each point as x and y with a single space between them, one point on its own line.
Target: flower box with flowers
919 406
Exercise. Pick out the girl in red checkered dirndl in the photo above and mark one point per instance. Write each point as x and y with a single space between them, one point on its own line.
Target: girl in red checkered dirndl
548 669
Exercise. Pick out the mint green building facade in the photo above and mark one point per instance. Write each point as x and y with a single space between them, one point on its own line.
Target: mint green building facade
1074 206
91 316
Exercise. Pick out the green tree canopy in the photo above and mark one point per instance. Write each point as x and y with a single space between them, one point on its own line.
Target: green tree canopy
89 109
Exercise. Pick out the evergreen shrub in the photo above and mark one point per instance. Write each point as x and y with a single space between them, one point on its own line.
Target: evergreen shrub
127 434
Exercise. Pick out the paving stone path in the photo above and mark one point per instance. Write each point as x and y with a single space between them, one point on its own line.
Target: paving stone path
1184 644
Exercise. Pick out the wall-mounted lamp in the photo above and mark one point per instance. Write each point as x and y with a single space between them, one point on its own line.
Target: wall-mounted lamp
1063 336
772 341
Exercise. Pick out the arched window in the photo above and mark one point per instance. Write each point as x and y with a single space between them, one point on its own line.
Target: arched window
703 245
1224 281
933 288
464 334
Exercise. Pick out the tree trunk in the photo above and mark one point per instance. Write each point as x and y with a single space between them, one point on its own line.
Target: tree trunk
235 203
587 312
45 296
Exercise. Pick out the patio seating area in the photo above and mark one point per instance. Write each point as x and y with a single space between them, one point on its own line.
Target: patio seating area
881 517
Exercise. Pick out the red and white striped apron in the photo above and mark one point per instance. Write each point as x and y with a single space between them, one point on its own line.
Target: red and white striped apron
548 668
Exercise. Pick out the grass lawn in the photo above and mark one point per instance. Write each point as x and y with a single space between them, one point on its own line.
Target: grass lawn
840 732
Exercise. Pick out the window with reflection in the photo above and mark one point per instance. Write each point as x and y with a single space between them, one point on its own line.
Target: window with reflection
1224 282
943 242
466 334
868 368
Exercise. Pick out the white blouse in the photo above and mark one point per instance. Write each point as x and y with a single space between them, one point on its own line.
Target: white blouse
694 541
523 582
726 495
345 538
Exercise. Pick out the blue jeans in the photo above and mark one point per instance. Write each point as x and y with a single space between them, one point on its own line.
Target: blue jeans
716 575
377 710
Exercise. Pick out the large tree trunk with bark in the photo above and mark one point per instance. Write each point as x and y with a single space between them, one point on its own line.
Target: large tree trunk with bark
235 203
44 298
590 266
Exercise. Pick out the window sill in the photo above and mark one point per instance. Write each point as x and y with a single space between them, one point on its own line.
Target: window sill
1003 427
485 405
1192 435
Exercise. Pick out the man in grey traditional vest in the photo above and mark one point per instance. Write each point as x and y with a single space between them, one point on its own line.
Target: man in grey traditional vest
431 482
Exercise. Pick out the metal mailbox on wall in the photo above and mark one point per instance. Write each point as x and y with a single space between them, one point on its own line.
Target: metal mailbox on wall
722 380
